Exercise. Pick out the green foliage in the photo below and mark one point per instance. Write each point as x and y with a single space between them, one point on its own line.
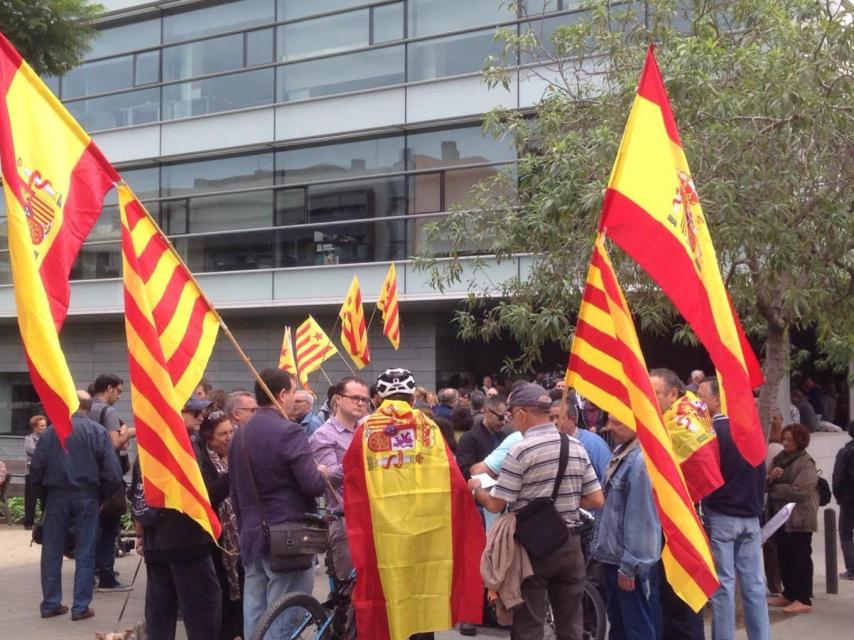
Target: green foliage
762 94
16 510
51 35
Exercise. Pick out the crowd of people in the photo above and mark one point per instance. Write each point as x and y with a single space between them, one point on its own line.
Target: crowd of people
533 440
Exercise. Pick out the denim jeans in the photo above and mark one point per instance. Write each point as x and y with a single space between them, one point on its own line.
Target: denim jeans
76 513
737 550
105 549
262 587
629 612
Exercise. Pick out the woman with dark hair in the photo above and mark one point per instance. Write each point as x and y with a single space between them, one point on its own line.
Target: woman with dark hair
793 478
216 432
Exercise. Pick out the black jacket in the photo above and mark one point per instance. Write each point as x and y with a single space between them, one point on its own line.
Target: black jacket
474 446
842 482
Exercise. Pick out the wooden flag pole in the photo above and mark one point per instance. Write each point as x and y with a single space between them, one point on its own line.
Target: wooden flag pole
371 321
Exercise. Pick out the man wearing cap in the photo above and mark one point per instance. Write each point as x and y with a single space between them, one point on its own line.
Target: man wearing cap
528 472
193 412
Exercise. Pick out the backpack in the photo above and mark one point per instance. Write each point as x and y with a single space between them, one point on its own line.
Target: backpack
822 487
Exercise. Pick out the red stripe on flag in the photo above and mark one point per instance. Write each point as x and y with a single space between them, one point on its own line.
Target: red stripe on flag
168 303
686 555
320 355
599 378
652 88
186 350
149 258
54 406
635 231
368 595
134 212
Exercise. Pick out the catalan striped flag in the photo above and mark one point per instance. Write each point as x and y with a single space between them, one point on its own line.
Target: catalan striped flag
387 304
286 355
55 179
607 366
652 211
171 331
313 348
354 332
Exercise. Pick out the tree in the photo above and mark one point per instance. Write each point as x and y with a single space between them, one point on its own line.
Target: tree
51 35
762 94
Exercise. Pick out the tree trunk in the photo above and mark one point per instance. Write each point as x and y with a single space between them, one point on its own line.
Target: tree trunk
776 361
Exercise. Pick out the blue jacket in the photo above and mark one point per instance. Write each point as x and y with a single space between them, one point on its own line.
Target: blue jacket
628 533
597 450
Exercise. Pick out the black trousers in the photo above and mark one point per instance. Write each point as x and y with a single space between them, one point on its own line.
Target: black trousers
674 620
30 502
794 550
191 585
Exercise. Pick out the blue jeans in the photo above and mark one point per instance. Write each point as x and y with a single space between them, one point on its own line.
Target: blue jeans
76 513
737 549
629 612
105 549
262 587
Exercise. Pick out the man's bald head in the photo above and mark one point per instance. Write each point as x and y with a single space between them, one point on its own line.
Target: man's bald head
85 400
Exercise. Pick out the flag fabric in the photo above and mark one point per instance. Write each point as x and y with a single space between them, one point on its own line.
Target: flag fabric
171 331
415 535
354 332
652 211
607 366
55 179
695 444
286 355
313 348
387 304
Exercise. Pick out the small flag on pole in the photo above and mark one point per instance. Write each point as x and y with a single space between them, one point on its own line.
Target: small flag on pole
387 304
313 348
286 355
354 333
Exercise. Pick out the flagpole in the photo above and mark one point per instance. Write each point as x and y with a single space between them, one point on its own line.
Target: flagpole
371 321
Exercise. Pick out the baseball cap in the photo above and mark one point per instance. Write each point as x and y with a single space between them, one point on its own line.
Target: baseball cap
195 404
529 394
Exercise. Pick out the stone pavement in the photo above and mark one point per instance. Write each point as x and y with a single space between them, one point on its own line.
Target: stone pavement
19 617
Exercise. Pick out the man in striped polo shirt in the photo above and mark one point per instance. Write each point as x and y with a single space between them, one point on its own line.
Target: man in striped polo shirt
529 472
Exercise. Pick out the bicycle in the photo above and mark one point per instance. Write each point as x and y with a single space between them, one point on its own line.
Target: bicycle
310 619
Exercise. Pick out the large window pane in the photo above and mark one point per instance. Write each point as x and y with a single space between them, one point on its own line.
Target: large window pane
213 95
98 261
451 56
229 252
234 211
324 35
460 182
376 198
127 37
544 30
259 47
292 9
388 23
113 74
202 58
382 155
145 183
222 174
466 145
427 17
120 110
147 68
290 206
230 16
340 74
343 243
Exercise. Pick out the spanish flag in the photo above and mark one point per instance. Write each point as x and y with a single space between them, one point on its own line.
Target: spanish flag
354 333
286 355
171 331
415 535
387 304
55 179
607 366
652 211
313 348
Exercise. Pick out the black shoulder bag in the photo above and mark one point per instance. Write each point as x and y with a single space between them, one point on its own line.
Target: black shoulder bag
539 526
291 545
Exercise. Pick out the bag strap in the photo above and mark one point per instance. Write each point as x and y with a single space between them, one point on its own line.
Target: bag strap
561 465
252 478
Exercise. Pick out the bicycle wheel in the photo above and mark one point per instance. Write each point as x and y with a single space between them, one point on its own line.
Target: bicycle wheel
295 616
593 612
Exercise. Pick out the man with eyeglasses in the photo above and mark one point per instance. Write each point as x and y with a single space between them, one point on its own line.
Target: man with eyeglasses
329 443
241 406
482 439
302 414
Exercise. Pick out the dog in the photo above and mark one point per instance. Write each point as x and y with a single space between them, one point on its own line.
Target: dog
137 633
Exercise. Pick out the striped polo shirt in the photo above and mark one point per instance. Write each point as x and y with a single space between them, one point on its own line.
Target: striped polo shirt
530 468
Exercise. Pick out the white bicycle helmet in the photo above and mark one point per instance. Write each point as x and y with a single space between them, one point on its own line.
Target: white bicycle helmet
393 381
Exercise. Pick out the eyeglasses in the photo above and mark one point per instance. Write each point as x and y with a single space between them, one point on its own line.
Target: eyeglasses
249 409
358 399
499 416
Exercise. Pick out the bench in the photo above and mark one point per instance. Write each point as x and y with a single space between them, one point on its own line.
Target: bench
13 487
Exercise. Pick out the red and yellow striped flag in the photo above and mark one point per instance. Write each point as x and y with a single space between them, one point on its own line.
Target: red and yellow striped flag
171 331
286 355
607 366
55 179
313 348
354 333
652 211
387 304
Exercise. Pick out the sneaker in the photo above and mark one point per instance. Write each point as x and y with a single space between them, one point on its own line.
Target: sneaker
468 629
798 607
847 575
88 613
112 586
